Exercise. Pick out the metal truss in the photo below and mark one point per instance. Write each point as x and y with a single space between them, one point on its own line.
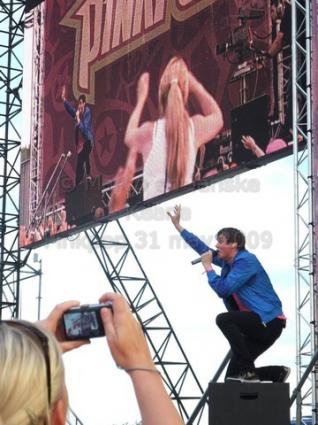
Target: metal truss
14 265
306 343
72 419
283 77
126 276
11 39
34 176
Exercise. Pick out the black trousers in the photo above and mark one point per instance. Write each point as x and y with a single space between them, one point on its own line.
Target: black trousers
83 161
248 338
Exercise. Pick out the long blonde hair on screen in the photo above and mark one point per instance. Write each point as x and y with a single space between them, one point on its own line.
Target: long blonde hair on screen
23 377
173 97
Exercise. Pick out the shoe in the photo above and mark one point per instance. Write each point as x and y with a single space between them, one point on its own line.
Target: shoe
284 374
248 376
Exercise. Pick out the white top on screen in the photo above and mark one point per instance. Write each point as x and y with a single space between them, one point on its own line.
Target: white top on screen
154 172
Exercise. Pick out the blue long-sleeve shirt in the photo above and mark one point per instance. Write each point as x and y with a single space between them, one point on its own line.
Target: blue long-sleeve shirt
245 277
85 125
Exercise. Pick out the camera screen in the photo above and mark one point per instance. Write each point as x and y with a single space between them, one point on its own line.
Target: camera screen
82 324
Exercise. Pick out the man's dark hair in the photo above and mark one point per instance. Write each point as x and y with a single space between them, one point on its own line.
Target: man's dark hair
82 97
233 235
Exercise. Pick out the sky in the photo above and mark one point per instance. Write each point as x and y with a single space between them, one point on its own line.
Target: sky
259 202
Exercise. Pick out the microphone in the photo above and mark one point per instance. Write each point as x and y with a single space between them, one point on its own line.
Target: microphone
198 260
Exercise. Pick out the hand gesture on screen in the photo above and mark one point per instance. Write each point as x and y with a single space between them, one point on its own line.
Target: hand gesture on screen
193 82
119 195
78 116
209 122
248 142
63 93
123 180
143 87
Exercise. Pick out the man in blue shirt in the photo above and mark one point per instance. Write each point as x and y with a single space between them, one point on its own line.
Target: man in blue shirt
83 135
255 318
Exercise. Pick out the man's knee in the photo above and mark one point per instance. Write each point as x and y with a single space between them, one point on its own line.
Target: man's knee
222 319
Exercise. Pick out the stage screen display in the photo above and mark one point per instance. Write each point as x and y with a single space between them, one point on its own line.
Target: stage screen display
142 100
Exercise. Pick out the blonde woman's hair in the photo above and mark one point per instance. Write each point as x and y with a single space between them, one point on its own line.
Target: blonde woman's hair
173 97
24 398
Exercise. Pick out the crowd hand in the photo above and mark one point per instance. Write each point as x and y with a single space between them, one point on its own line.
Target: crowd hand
143 87
54 325
124 334
123 180
248 142
78 118
175 218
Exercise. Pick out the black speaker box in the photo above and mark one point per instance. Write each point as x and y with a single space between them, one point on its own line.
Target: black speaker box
82 201
248 404
249 119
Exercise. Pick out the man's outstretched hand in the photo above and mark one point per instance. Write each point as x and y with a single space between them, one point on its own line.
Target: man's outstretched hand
175 217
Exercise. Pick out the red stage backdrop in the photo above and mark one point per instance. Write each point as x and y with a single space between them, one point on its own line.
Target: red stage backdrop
101 48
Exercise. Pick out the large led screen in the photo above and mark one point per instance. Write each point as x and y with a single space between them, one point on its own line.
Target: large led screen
141 100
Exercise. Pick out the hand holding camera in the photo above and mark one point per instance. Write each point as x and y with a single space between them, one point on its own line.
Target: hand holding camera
124 334
74 324
127 345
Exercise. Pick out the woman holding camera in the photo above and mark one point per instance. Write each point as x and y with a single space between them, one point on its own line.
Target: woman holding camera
32 384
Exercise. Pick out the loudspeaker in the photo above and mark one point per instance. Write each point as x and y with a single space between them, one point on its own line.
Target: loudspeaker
249 404
82 201
249 119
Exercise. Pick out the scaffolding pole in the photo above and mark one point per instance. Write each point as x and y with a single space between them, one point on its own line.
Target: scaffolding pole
303 207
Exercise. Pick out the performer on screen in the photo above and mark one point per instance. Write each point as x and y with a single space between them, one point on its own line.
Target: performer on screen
255 317
169 145
83 135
